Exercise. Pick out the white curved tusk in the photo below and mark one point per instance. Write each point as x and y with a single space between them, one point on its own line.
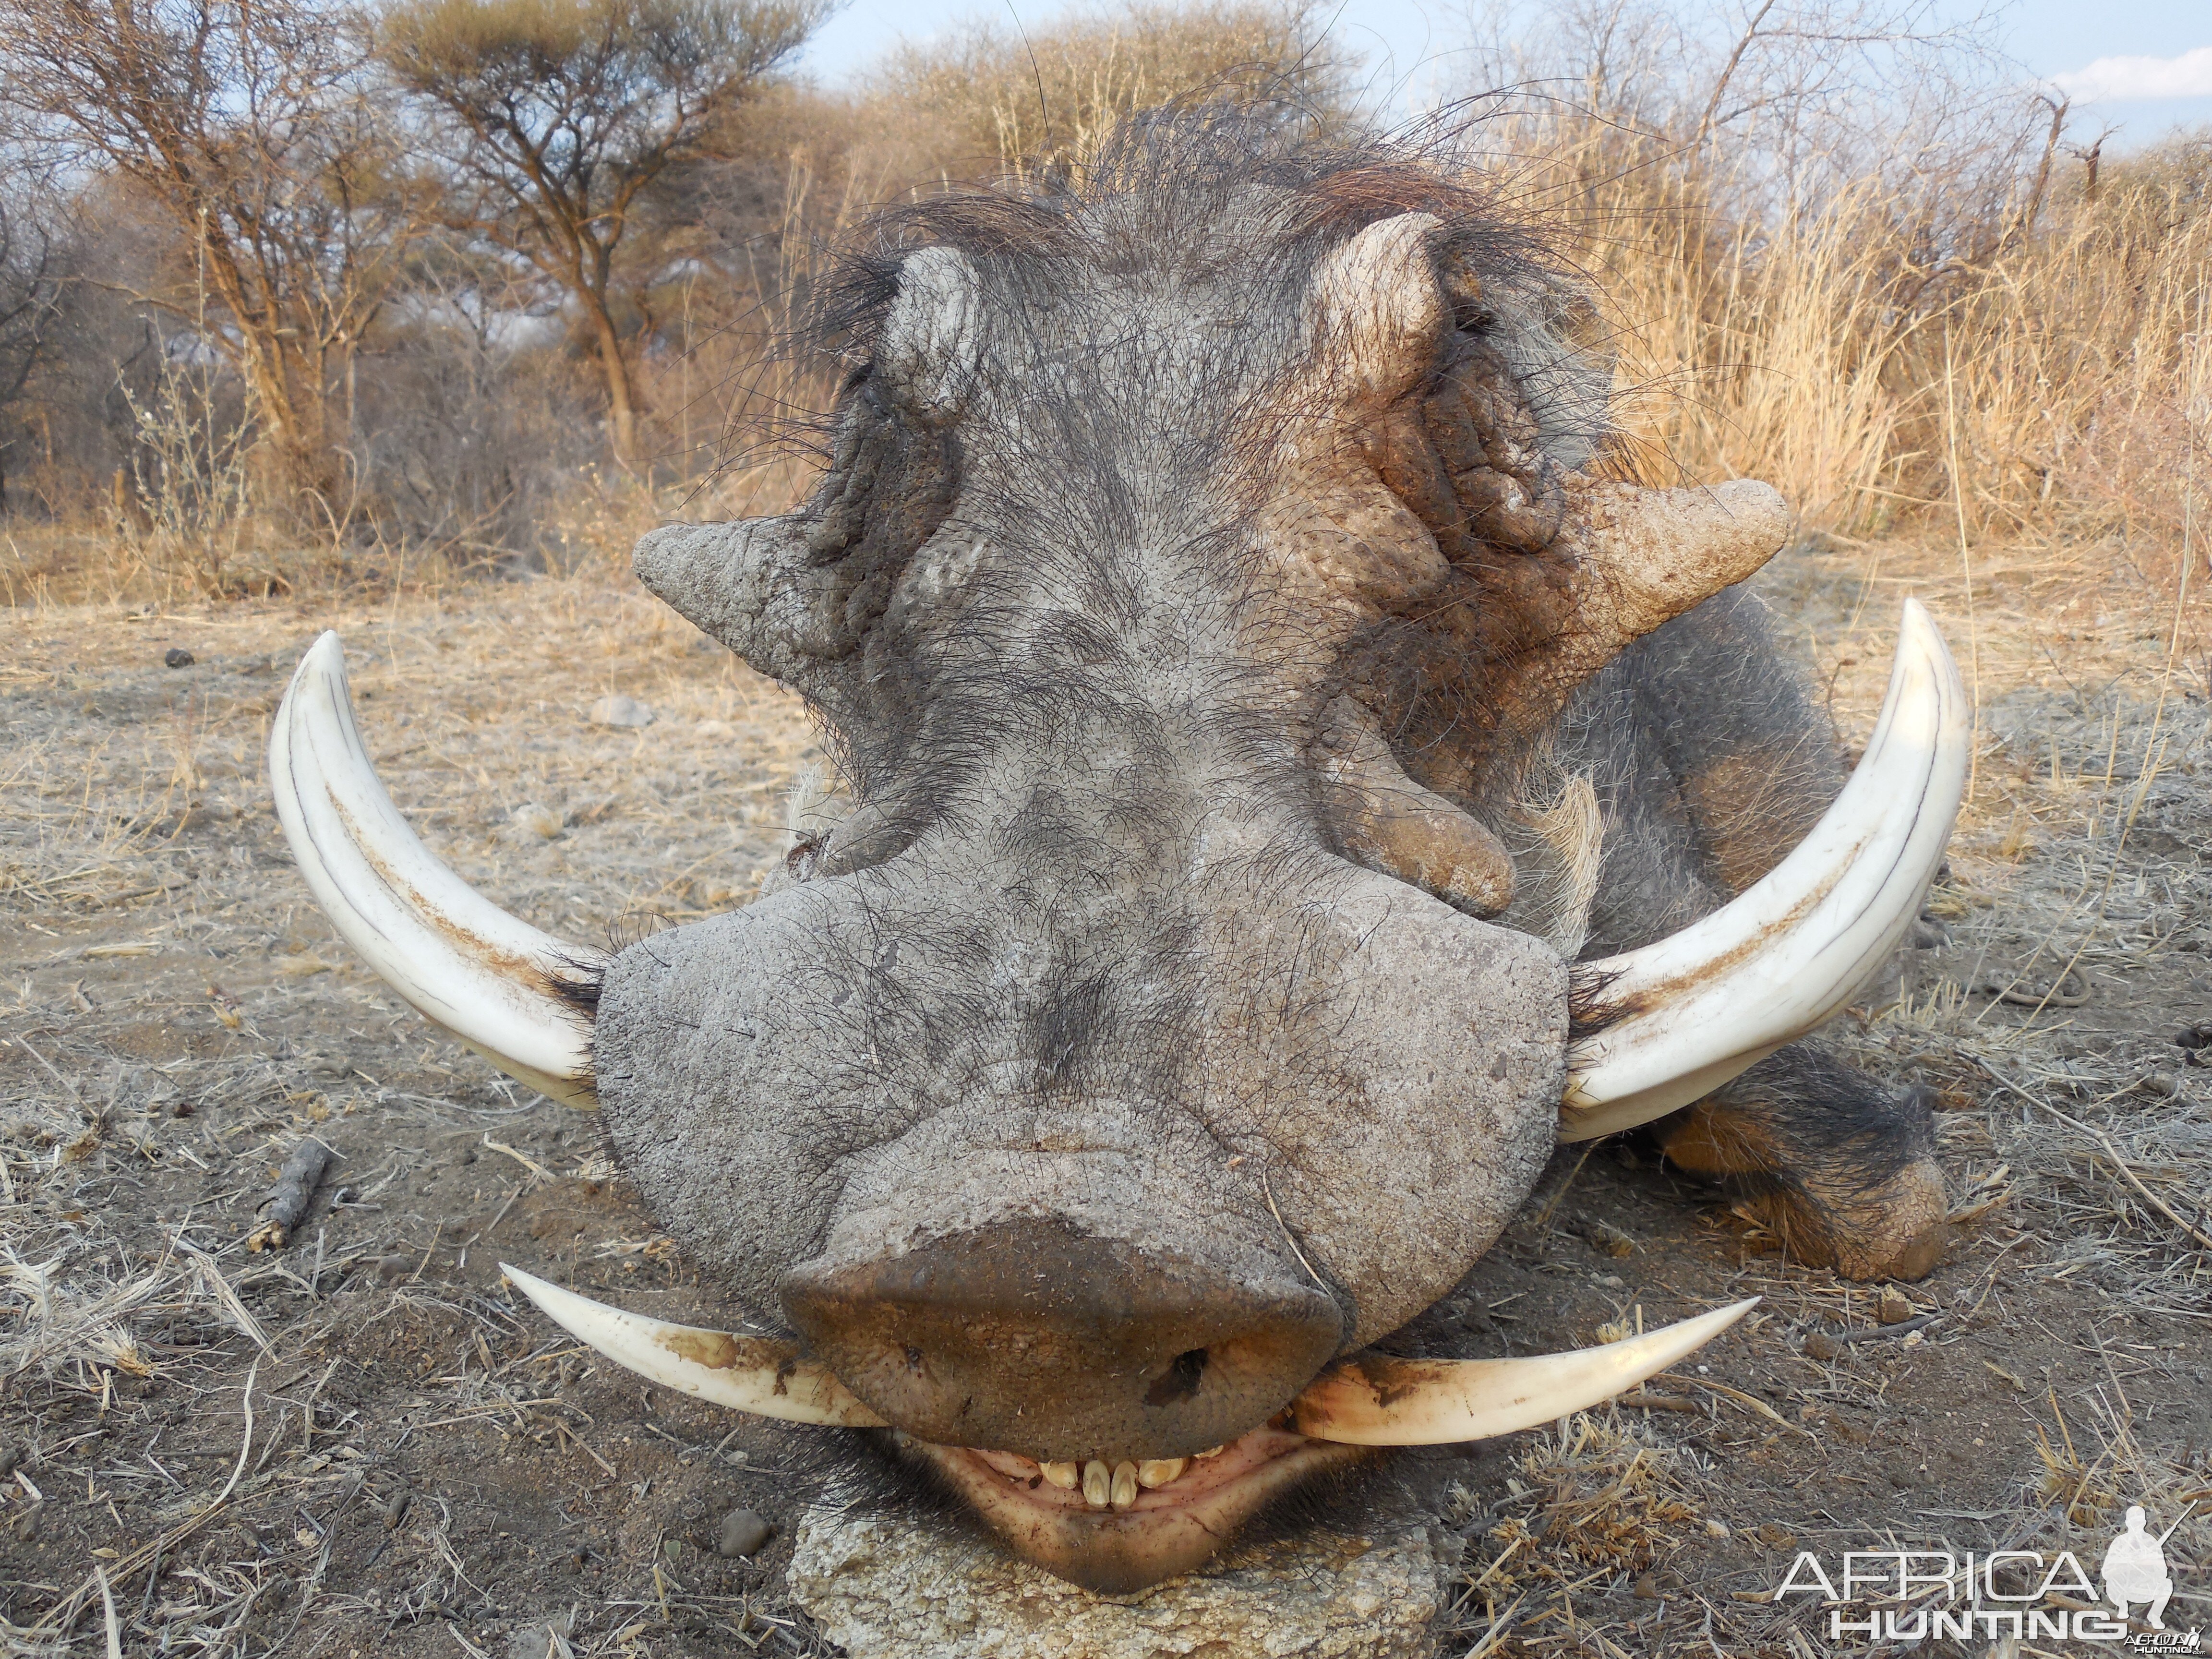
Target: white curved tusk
752 1374
1379 1401
1700 1006
462 961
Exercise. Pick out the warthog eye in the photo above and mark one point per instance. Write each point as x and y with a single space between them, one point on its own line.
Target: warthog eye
1179 1381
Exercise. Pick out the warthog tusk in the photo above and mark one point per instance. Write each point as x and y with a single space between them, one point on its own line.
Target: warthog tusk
492 980
1379 1401
1372 1401
747 1373
1697 1007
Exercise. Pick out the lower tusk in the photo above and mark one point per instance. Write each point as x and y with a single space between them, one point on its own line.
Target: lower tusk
1379 1401
494 982
746 1373
1697 1008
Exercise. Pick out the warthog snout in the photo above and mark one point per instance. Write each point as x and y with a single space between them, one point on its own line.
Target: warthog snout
1035 1339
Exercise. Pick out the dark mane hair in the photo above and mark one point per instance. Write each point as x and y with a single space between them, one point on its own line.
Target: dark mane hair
1182 162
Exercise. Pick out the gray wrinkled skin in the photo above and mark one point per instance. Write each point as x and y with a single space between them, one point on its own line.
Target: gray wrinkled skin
1104 963
1129 486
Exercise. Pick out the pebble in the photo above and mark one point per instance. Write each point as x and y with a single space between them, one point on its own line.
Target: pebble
620 709
177 657
1891 1306
532 819
1822 1346
743 1532
2164 1085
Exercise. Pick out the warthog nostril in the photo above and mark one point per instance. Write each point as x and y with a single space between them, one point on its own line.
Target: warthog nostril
1031 1337
1179 1381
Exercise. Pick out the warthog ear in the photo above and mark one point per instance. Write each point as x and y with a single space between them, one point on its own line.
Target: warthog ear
932 336
1375 308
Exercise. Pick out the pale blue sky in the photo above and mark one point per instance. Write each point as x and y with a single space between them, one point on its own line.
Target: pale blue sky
1410 41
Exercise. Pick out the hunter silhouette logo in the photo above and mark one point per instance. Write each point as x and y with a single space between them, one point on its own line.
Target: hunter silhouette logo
2135 1568
2020 1595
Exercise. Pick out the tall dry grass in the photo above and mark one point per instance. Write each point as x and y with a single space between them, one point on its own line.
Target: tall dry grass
1956 324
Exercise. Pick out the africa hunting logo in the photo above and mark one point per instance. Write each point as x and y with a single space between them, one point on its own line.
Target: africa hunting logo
2024 1594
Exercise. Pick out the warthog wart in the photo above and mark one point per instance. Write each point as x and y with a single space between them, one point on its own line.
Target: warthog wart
1300 779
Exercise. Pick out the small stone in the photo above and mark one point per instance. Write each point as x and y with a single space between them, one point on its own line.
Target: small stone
620 709
1717 1528
395 1266
1609 1239
1776 1536
1647 1588
9 1456
1820 1346
886 1590
536 1641
530 820
2164 1085
742 1533
177 657
1891 1306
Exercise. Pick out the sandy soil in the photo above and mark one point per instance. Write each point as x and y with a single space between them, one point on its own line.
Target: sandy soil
361 1443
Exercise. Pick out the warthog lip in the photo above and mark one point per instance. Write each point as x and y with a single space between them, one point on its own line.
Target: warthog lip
1167 1530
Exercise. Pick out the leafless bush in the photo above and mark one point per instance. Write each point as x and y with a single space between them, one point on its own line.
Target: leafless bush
1024 99
1842 252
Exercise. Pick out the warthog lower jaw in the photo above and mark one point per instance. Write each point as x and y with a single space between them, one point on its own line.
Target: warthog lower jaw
1119 1525
1139 1534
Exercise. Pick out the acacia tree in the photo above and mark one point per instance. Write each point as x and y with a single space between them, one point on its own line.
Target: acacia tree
244 124
34 259
559 118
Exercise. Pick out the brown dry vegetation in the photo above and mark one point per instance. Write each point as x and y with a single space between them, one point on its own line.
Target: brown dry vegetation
1984 379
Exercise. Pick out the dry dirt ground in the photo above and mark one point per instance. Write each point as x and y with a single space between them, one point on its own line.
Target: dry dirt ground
362 1444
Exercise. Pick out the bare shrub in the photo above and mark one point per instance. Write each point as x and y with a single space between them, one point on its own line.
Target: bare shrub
1841 251
1020 100
554 121
246 127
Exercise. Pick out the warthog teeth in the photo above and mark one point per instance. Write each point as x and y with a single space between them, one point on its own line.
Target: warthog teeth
1380 1402
1696 1008
1097 1485
460 960
1124 1490
746 1373
1062 1475
1160 1471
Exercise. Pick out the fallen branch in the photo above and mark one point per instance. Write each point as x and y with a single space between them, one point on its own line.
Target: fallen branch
288 1200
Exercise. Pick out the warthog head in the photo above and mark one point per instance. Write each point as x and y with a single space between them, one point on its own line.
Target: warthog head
1203 551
